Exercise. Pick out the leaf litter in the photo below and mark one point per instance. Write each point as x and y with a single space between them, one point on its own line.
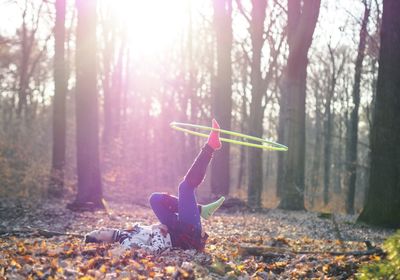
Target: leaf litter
272 244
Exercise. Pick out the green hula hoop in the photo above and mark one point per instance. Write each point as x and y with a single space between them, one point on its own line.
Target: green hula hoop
265 144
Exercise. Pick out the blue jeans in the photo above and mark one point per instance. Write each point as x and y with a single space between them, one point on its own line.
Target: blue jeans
181 214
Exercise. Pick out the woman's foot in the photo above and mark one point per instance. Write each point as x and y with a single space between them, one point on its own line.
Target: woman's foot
208 210
213 139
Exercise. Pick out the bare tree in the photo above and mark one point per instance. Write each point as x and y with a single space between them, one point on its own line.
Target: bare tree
260 80
109 38
351 153
335 72
302 19
30 54
383 199
87 135
59 118
222 92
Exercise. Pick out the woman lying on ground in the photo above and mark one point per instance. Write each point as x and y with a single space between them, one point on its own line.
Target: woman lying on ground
179 216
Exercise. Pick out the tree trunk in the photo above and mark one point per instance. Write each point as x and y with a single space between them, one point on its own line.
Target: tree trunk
302 18
351 154
59 118
89 181
191 82
256 110
328 124
24 63
108 55
117 87
315 171
383 199
222 103
242 150
329 120
338 155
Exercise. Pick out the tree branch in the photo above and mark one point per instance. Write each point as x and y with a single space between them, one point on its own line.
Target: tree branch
242 11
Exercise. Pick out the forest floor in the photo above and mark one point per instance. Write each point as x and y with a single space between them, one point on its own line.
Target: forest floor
272 244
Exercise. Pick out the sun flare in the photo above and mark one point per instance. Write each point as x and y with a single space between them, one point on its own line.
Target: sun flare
151 26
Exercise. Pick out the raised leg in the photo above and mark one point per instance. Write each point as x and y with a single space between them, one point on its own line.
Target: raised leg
188 210
197 171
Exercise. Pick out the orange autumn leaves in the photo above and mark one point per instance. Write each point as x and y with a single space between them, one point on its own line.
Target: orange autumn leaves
63 257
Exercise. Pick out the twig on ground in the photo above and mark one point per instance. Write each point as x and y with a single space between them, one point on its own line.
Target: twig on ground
266 251
40 232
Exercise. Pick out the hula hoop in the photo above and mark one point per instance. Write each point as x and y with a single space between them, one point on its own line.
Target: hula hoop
265 144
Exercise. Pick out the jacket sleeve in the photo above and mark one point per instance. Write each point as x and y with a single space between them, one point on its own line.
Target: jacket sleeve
156 243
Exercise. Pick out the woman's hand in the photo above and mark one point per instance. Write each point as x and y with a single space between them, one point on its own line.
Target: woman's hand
100 235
